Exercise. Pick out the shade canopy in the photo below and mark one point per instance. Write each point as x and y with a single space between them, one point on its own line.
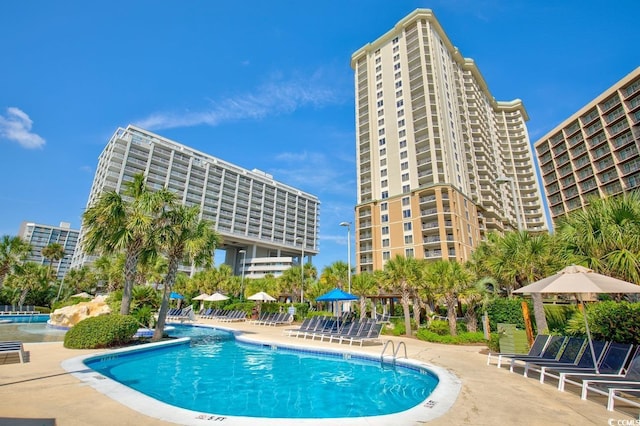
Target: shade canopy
216 297
202 296
578 279
336 295
262 297
175 295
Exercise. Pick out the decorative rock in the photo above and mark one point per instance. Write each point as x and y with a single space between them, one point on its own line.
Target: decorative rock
71 315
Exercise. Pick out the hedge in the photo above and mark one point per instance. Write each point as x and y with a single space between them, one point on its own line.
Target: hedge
103 331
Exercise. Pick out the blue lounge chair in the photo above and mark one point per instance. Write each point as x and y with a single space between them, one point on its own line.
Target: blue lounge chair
552 351
536 350
573 349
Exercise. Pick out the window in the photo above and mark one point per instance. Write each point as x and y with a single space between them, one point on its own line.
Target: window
402 133
385 242
400 112
380 103
408 239
407 226
396 67
398 93
401 123
385 230
382 141
379 95
396 57
381 122
378 77
384 206
406 213
383 162
378 60
404 165
403 143
408 253
386 255
384 183
406 201
379 68
395 49
383 172
399 103
406 188
378 86
383 151
405 177
384 218
385 195
380 113
398 85
381 132
397 75
395 40
403 155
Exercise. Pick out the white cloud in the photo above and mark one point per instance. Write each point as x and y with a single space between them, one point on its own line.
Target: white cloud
16 127
270 99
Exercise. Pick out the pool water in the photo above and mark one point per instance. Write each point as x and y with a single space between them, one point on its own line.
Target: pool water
29 329
216 374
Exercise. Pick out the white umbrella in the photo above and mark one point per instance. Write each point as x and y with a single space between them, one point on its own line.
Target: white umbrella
202 297
262 297
579 280
216 297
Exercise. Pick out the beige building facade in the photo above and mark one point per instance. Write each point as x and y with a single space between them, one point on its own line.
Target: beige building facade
593 153
440 162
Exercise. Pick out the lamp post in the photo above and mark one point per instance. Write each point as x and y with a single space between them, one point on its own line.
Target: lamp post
348 225
516 205
301 269
244 256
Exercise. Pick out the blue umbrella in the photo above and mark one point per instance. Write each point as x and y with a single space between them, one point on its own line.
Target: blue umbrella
176 296
336 295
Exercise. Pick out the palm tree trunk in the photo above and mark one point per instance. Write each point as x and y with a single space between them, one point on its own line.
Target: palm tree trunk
452 305
130 267
538 312
23 296
363 307
164 306
472 318
407 313
416 311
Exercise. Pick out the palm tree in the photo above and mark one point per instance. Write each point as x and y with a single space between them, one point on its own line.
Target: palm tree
80 279
605 236
402 275
182 236
362 285
29 276
13 251
335 275
54 252
125 223
447 279
109 270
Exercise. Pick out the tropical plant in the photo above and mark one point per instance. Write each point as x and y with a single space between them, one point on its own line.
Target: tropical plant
447 279
13 251
401 275
335 275
109 270
126 223
29 276
182 236
53 252
362 285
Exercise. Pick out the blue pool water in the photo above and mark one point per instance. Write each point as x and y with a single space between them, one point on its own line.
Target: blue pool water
217 374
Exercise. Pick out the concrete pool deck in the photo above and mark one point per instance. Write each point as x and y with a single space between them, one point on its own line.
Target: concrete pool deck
42 389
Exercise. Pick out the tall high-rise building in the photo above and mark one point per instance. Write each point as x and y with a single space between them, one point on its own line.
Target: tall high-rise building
40 236
266 226
595 151
440 162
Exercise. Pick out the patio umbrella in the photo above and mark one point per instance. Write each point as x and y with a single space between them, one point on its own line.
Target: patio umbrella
336 295
216 297
202 297
175 295
579 280
260 297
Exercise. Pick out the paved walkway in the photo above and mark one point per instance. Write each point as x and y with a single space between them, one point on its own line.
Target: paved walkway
41 389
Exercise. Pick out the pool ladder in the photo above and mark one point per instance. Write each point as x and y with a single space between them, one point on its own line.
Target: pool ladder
394 350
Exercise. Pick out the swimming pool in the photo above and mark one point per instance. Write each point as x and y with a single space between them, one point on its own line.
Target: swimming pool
222 377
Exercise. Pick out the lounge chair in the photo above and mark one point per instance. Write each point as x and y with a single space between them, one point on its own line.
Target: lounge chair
621 393
536 350
600 384
611 365
584 362
303 327
372 335
573 349
552 351
13 347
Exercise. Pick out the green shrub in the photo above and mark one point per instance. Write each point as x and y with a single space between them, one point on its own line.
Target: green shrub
144 315
396 327
558 316
494 342
615 321
461 339
508 311
319 313
439 327
103 331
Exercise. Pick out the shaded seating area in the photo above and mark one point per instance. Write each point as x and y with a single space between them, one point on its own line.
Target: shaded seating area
10 348
328 327
224 315
181 314
569 361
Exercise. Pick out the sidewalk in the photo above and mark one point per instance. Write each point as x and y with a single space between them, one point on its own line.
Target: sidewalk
41 389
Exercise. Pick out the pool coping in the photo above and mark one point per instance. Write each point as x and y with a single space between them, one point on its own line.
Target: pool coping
437 404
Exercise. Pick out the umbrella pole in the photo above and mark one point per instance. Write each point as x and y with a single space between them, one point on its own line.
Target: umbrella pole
586 326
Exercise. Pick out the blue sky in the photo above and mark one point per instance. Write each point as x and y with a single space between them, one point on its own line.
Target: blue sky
262 84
